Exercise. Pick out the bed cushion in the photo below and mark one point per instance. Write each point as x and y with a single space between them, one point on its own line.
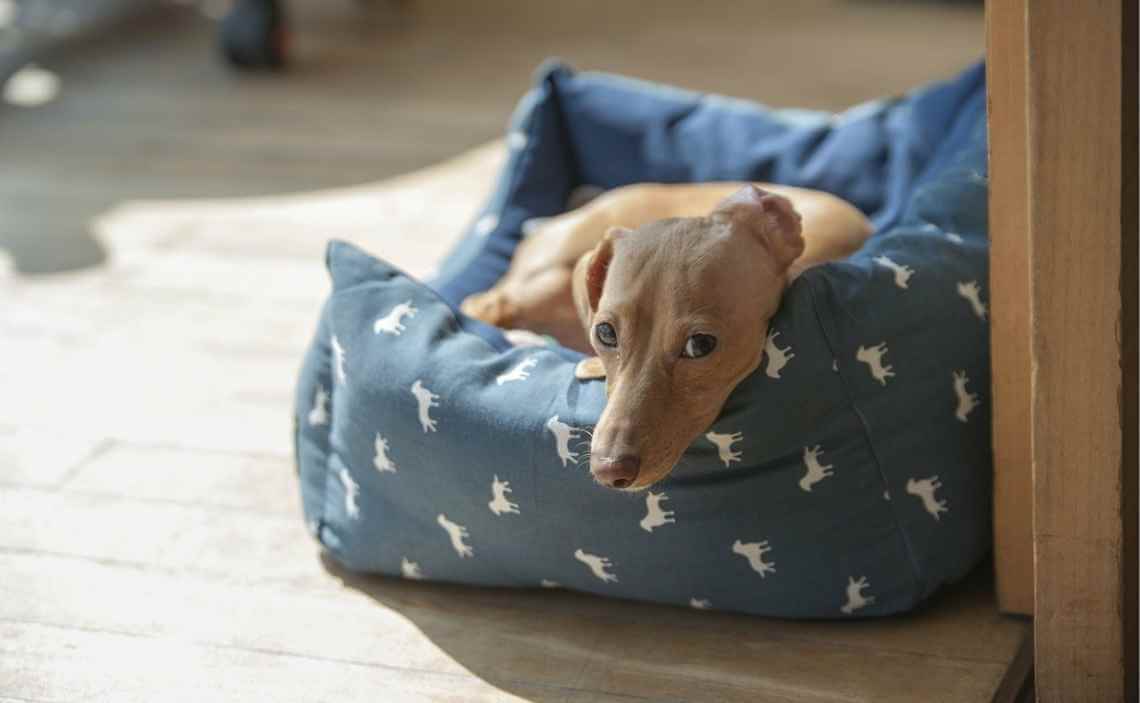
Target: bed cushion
849 476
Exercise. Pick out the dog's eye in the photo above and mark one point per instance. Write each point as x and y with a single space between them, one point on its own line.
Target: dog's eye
606 334
699 345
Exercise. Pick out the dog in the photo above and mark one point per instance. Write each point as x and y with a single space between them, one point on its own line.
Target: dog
670 288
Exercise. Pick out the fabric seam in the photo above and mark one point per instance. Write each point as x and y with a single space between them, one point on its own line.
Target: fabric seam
919 581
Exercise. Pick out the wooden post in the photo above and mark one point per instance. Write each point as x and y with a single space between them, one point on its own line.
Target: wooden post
1010 299
1062 76
1077 241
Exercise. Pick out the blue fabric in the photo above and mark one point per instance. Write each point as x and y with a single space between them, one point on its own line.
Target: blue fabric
849 476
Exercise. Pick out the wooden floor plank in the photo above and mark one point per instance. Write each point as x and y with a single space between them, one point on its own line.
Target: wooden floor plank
43 458
45 663
194 540
250 483
447 633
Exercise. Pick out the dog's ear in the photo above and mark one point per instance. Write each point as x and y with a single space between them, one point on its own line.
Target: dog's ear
771 218
590 274
599 264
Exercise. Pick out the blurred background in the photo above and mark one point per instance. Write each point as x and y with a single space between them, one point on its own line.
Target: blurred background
107 100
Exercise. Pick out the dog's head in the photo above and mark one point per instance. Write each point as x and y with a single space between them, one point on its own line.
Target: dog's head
678 312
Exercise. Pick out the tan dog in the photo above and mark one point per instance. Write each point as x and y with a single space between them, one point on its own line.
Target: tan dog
676 310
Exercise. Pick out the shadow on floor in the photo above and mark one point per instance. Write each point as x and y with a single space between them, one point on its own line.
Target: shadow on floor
35 253
553 645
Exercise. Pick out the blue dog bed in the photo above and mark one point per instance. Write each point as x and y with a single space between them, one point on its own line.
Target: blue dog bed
849 476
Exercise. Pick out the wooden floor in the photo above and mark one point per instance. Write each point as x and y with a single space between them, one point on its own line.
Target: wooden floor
151 546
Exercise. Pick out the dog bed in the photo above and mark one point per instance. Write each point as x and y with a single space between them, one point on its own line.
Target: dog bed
848 477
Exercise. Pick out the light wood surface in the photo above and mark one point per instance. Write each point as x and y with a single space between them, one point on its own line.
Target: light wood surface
1010 298
1075 188
151 545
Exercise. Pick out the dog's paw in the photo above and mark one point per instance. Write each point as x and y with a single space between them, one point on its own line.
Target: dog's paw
491 307
590 369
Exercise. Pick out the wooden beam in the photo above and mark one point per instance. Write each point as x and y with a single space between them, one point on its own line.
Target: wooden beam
1130 343
1077 239
1010 302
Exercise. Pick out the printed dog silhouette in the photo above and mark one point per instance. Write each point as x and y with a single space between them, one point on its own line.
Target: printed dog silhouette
925 489
563 433
381 460
873 358
426 401
457 533
777 358
319 415
855 598
902 273
410 569
655 516
392 323
518 373
966 401
597 564
973 293
724 444
754 552
499 504
816 472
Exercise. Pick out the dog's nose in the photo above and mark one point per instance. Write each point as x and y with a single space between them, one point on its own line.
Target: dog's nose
617 472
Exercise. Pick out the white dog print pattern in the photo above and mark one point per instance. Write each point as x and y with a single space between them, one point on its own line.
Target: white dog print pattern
873 358
855 597
500 504
392 323
380 457
924 490
563 434
754 552
410 569
815 471
724 444
521 372
319 414
597 564
902 273
973 295
654 515
966 401
425 401
456 533
777 358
